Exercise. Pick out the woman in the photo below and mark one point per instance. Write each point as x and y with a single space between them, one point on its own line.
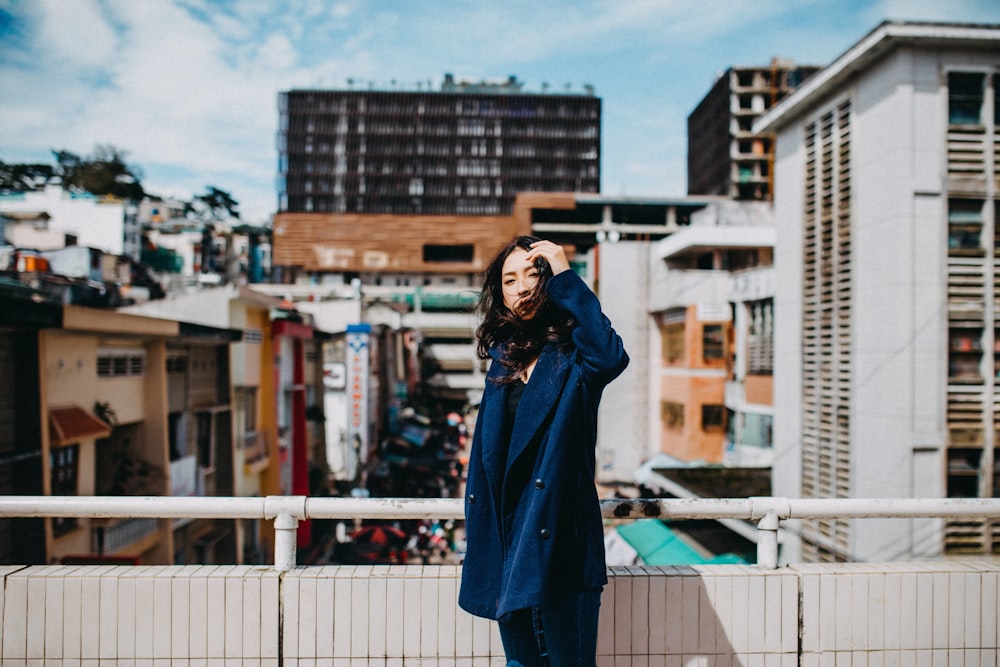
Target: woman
535 555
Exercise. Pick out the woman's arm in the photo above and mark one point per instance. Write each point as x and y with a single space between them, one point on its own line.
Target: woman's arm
598 345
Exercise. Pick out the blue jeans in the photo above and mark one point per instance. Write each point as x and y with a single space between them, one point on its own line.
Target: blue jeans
562 632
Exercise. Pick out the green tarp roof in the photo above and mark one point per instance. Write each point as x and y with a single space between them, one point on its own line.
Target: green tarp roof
657 544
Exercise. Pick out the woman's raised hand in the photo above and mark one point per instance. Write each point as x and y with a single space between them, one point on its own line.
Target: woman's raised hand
552 253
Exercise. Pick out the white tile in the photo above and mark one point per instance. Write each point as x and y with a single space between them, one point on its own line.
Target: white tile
623 613
789 614
324 617
843 617
234 615
306 628
162 615
924 599
989 600
362 612
269 605
414 619
215 629
860 608
757 602
710 633
971 621
827 613
429 608
894 618
956 607
180 614
640 614
941 614
395 619
35 627
342 617
463 634
71 617
252 611
447 616
743 612
198 614
773 621
90 617
810 612
55 613
126 616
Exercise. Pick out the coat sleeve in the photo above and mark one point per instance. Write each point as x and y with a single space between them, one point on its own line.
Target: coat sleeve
598 346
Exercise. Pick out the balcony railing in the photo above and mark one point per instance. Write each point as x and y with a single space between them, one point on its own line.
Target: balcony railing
287 511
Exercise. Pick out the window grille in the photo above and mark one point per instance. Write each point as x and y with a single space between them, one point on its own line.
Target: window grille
827 310
973 293
120 363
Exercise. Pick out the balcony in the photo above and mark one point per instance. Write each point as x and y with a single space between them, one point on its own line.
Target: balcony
926 613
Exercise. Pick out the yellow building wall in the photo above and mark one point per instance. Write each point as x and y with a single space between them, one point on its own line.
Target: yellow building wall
686 385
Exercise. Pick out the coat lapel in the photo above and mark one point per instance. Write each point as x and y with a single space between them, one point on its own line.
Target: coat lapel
540 395
491 417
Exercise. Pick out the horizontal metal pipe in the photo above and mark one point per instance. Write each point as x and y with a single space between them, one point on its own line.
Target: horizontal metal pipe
453 508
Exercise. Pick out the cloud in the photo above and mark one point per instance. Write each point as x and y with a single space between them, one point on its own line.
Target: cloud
189 88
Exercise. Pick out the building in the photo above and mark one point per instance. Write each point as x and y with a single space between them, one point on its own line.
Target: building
725 155
888 330
465 149
712 302
59 218
87 411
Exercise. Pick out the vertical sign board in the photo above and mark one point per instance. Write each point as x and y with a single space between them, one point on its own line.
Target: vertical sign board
358 349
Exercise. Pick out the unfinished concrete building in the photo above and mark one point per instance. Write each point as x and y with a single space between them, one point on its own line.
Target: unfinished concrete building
725 157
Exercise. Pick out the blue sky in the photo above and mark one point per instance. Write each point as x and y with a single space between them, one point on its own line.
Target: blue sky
188 88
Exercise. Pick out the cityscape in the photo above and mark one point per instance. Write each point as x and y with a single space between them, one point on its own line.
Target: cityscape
816 317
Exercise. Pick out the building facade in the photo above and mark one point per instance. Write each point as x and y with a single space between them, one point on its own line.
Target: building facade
887 287
466 149
725 155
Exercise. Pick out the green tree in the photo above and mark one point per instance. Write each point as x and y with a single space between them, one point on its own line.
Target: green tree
22 177
214 205
105 172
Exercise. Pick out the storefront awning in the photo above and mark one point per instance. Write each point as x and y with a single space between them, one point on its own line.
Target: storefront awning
71 423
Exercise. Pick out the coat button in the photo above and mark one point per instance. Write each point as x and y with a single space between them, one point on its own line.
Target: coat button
544 533
472 499
539 484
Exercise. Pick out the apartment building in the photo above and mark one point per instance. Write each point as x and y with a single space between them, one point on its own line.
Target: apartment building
86 410
465 149
725 155
52 215
887 328
711 301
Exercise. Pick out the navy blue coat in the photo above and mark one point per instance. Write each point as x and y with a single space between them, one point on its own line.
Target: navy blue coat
533 525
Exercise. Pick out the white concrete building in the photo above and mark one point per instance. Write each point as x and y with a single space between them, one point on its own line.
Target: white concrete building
888 287
107 224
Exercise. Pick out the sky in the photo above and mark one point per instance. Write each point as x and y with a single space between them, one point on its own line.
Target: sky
188 89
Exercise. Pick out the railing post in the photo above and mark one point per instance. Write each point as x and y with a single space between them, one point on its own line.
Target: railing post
768 512
767 541
286 512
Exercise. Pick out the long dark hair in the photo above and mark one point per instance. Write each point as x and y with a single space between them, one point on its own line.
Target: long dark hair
521 340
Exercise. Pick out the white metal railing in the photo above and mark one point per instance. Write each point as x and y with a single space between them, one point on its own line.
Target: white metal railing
287 511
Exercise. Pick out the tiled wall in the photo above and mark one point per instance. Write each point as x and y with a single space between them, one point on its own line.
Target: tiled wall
935 613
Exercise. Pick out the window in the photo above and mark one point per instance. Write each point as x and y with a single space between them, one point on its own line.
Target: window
672 414
965 226
713 342
122 362
673 343
64 463
713 417
965 351
449 253
965 98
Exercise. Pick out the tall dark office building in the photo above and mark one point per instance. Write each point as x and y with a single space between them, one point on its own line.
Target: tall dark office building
725 157
466 149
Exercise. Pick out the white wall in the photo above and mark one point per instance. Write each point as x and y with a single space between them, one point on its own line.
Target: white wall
623 442
95 224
